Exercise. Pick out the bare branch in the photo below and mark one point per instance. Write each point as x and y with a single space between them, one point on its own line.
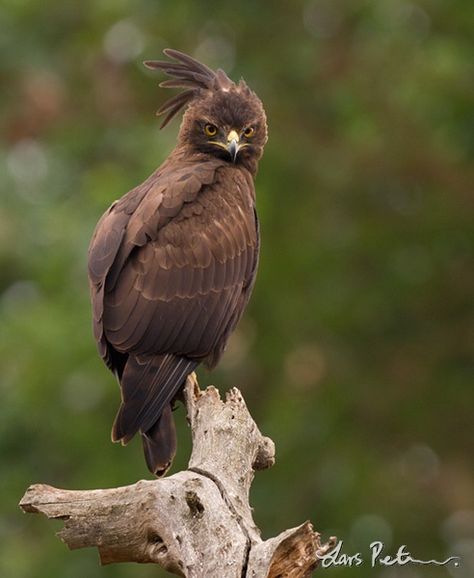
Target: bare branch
196 523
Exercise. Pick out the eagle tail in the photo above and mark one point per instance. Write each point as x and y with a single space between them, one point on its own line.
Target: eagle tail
149 384
159 443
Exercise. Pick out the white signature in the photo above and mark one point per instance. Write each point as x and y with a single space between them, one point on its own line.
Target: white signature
378 557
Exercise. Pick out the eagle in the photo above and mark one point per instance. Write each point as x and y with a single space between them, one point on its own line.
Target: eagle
173 262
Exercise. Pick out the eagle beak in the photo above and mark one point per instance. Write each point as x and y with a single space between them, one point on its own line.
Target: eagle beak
233 144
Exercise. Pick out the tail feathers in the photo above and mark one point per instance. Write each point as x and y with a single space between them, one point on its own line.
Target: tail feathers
159 443
148 386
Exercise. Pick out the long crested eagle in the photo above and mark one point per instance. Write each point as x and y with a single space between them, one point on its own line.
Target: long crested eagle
173 262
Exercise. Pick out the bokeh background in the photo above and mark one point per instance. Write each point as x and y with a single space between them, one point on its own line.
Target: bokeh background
354 354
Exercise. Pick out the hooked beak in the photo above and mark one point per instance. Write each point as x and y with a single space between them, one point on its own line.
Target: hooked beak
233 144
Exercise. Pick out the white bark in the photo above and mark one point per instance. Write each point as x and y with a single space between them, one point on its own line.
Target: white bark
197 523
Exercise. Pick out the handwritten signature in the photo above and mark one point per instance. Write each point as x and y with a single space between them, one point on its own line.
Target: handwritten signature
379 558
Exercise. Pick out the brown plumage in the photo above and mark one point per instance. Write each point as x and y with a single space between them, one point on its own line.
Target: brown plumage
173 262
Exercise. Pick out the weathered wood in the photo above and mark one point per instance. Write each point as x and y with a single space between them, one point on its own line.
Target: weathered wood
294 553
196 523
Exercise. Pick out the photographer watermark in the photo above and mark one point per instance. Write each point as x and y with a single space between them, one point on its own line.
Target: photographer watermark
378 557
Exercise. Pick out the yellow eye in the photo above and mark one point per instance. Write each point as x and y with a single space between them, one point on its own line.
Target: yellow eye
249 131
210 130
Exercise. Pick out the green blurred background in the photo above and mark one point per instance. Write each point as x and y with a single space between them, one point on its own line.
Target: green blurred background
354 352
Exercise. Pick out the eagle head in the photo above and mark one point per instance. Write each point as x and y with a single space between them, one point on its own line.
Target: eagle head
222 119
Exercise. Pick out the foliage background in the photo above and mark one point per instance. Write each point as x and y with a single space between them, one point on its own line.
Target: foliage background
354 354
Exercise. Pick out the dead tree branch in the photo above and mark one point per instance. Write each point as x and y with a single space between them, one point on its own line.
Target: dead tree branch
196 523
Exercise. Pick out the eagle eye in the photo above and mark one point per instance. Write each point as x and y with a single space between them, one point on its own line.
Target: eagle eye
210 129
249 131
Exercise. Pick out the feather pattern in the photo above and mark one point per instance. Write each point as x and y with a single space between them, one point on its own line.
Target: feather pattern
188 73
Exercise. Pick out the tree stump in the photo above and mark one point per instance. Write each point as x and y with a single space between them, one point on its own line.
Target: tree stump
196 523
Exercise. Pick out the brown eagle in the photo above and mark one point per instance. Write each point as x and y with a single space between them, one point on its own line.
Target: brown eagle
172 263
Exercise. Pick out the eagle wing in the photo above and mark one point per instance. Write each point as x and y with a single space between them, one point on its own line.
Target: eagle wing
172 264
